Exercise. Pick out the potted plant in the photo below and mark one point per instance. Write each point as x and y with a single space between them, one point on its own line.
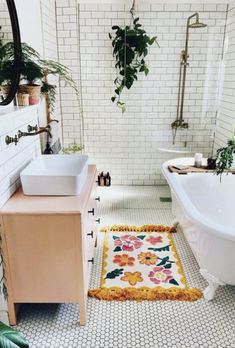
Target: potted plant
225 157
6 67
130 47
10 338
34 72
72 149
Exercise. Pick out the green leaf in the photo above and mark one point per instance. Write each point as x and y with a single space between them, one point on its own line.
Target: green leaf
10 338
146 70
136 20
115 27
141 237
110 36
115 237
168 265
114 274
152 40
117 249
164 248
174 282
113 99
164 261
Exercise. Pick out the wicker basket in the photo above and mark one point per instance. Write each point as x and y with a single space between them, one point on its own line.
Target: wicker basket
33 91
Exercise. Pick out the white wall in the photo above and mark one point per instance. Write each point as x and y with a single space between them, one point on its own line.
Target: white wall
128 145
226 114
30 23
13 159
38 29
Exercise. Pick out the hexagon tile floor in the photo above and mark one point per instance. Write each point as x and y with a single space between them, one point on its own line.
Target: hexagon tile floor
165 324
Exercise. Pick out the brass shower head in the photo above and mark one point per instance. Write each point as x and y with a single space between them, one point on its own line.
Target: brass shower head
197 25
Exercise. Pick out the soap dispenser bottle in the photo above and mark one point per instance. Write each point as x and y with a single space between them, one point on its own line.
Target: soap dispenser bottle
108 180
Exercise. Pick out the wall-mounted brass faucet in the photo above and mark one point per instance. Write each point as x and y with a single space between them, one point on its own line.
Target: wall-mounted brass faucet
36 132
32 130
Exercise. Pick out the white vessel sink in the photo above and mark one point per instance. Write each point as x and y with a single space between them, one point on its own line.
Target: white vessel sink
55 175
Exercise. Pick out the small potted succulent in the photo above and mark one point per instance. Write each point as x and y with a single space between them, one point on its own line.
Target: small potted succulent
225 157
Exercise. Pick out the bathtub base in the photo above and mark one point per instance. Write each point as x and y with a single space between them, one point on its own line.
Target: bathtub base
200 244
214 283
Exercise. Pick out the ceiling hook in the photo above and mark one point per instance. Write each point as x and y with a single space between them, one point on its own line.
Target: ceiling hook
133 8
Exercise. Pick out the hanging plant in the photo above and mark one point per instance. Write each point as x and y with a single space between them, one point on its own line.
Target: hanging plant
130 47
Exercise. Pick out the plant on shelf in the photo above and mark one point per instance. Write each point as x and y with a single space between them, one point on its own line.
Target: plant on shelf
34 72
10 338
225 157
130 47
72 149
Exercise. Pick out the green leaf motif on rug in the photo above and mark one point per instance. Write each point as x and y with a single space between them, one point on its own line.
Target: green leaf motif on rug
118 248
164 261
114 274
165 248
173 282
141 237
167 266
115 237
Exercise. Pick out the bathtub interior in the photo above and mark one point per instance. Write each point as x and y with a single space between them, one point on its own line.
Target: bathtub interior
210 196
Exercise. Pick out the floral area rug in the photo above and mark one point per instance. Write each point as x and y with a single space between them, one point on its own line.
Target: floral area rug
141 263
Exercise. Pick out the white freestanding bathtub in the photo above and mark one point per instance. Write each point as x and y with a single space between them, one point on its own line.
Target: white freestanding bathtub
205 209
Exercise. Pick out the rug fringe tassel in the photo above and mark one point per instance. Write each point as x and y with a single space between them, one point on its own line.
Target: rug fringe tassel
144 293
144 228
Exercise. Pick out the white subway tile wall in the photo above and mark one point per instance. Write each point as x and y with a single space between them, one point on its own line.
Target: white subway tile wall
225 126
128 144
50 46
5 31
13 159
68 49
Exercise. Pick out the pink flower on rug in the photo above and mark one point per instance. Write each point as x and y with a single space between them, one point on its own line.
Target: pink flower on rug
128 242
160 275
154 240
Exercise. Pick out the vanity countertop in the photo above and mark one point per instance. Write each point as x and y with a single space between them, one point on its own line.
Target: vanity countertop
21 204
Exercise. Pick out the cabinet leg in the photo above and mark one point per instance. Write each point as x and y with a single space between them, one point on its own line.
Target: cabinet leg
12 313
83 316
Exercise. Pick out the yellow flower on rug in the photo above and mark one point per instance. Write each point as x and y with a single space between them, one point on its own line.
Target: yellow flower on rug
132 278
147 258
141 263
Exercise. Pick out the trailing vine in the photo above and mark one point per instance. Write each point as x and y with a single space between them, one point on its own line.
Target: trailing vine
130 47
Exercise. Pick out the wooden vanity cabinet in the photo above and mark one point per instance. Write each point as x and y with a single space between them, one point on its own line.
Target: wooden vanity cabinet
48 247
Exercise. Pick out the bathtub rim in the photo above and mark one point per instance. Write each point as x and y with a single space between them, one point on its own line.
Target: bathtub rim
190 210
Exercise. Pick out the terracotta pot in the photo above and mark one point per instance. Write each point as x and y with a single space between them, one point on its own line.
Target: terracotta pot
23 99
33 91
5 89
